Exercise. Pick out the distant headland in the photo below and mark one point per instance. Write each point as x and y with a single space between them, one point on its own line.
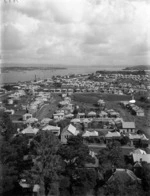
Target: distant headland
138 68
20 69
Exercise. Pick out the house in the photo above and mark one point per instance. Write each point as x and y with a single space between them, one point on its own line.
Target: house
90 133
68 131
140 112
69 116
81 115
127 127
75 121
30 131
103 114
123 176
114 114
138 151
141 157
54 129
31 120
10 111
45 121
91 114
59 116
112 136
138 139
101 103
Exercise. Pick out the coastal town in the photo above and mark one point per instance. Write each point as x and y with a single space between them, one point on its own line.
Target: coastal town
75 98
108 112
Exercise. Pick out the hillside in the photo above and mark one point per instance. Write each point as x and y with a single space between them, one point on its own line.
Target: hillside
138 67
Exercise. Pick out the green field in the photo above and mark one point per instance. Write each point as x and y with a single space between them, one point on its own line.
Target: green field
92 98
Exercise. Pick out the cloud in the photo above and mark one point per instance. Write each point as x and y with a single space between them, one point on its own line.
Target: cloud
77 31
11 38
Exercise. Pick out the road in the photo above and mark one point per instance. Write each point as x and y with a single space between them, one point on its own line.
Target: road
47 110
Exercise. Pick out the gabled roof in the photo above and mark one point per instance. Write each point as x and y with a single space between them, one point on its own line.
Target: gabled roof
50 127
128 125
92 113
138 136
123 175
46 120
138 151
143 157
30 130
90 133
31 120
75 120
113 134
72 130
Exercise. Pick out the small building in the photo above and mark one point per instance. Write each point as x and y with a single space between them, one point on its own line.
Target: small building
110 136
90 134
138 151
140 112
68 131
91 114
141 157
30 131
81 115
11 112
59 116
54 129
123 176
127 127
138 139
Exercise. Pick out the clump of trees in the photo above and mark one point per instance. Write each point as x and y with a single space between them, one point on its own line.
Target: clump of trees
62 169
79 178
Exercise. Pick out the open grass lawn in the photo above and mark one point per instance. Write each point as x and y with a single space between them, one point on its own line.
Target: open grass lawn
94 97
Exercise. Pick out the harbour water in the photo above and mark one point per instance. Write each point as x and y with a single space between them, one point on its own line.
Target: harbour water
28 75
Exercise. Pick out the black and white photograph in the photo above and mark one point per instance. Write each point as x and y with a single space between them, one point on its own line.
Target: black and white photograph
75 98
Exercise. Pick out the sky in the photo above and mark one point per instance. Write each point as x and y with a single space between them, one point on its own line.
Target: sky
76 32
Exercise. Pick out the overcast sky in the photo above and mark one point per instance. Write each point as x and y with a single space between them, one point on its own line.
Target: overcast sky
76 32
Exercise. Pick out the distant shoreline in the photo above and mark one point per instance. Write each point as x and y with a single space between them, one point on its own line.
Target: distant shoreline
20 69
138 68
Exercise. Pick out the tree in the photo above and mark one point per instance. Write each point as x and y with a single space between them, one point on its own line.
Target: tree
13 148
12 152
9 171
146 177
47 165
75 155
124 140
63 123
117 188
112 155
7 127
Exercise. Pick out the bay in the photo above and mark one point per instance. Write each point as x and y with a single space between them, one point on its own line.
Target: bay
28 75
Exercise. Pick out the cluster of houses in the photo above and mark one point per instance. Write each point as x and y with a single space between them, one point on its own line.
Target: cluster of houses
40 99
133 108
105 125
101 127
96 128
104 83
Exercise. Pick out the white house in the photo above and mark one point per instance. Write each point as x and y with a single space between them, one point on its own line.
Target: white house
54 129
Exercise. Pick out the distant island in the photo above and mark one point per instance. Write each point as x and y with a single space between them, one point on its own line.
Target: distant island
20 69
138 67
